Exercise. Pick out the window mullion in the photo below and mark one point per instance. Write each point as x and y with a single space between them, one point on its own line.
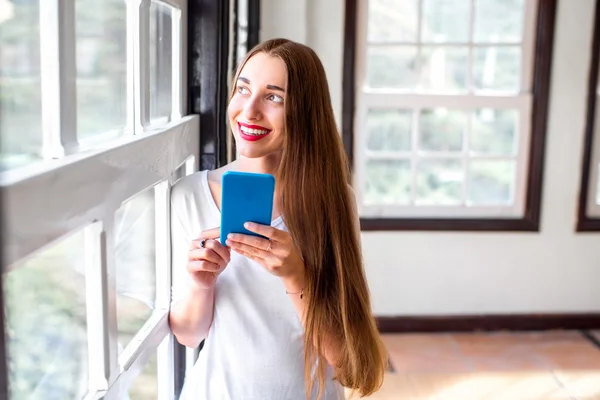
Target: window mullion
466 156
141 67
176 66
111 331
96 293
165 352
471 114
419 44
58 72
470 85
414 154
132 32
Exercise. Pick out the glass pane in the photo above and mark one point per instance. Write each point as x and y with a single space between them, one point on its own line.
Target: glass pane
439 182
388 182
101 40
179 173
499 21
389 130
160 60
46 323
494 131
442 130
444 69
135 263
491 182
446 20
145 386
497 68
20 92
242 30
393 20
392 67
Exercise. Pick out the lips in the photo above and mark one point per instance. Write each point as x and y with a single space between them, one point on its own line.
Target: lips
252 133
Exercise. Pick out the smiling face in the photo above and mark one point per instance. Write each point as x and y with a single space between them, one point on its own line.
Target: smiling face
257 109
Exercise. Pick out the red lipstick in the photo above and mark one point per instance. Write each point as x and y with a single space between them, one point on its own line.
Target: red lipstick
252 137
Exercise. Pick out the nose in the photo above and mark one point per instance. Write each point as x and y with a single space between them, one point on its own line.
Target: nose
252 109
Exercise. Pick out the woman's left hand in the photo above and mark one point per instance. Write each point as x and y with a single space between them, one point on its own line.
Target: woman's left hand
278 254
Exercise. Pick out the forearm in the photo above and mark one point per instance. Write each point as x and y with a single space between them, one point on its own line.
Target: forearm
331 344
190 318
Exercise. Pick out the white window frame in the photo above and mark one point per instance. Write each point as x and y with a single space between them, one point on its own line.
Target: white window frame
367 98
71 189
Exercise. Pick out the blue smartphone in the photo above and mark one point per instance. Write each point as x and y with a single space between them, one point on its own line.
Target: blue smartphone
245 197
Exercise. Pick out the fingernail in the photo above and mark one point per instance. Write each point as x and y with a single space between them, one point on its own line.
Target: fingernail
230 236
228 242
247 225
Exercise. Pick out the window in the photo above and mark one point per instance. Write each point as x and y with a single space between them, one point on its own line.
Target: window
449 111
589 198
85 191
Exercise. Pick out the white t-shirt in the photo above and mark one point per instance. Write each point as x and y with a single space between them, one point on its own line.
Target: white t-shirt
254 349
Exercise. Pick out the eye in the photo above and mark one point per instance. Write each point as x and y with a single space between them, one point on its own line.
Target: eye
242 90
275 98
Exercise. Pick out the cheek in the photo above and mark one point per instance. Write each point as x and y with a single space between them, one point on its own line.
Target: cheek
278 119
233 109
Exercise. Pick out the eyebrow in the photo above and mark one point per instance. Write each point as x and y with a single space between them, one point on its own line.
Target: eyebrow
272 87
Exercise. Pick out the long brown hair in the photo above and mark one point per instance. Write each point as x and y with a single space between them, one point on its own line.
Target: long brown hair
319 211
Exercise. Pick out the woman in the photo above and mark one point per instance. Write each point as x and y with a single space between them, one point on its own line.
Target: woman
286 317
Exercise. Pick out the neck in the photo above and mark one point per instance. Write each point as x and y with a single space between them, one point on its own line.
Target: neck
263 165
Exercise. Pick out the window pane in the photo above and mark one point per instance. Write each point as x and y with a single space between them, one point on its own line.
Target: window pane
101 40
494 131
160 60
392 67
491 182
393 20
439 182
499 21
145 386
445 69
20 93
135 263
446 20
46 323
389 130
497 68
442 130
179 173
388 182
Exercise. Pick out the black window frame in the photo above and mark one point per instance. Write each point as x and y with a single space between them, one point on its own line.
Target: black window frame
544 32
585 223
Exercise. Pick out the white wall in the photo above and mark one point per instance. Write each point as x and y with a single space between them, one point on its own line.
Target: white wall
434 273
316 23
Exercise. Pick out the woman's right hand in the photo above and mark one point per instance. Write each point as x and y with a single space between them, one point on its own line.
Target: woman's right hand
206 263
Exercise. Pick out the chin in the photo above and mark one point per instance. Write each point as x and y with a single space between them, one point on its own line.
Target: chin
258 149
